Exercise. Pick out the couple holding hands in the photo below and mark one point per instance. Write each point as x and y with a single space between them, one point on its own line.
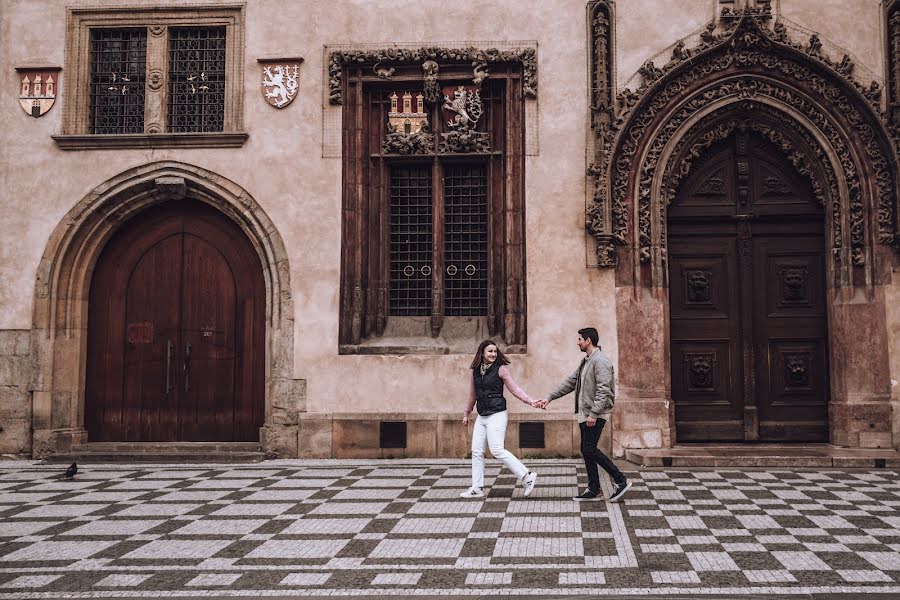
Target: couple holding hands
595 391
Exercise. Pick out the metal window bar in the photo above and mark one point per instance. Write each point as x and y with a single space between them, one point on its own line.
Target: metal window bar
465 240
411 239
118 71
196 79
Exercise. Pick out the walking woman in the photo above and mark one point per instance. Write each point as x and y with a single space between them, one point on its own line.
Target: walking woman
489 376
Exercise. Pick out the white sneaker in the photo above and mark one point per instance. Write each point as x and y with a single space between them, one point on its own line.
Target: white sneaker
472 492
528 482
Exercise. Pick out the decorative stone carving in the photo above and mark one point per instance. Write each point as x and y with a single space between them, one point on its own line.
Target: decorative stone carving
432 88
700 371
770 65
280 80
398 56
416 142
600 19
697 286
466 108
796 369
794 285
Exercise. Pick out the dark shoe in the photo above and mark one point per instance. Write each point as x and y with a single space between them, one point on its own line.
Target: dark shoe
619 490
586 495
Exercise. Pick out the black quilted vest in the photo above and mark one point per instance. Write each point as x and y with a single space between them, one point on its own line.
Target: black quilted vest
489 391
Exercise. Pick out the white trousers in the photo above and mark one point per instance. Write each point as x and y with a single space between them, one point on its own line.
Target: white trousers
490 432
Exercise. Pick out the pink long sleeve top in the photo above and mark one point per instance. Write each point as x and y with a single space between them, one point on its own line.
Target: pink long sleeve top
508 382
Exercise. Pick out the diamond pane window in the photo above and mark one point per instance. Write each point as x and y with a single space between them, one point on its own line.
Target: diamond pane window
118 68
465 240
411 241
196 79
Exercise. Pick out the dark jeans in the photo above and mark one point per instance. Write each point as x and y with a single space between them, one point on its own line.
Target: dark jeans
590 437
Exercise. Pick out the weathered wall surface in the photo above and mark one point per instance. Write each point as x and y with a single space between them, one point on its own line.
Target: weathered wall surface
282 166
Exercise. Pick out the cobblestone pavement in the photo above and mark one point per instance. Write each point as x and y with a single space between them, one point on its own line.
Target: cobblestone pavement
291 528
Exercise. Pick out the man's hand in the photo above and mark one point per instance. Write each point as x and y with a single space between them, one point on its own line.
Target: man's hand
590 422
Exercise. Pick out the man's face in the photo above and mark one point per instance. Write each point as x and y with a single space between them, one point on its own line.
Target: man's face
583 344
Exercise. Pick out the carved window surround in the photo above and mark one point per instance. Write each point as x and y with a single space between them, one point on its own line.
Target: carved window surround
157 20
367 325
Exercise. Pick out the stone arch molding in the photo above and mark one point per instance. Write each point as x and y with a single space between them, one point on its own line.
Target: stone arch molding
830 126
59 328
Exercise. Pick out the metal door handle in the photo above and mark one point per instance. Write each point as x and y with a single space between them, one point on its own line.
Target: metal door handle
170 349
187 367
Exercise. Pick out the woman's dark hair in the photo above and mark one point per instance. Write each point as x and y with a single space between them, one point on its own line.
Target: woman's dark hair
479 355
589 333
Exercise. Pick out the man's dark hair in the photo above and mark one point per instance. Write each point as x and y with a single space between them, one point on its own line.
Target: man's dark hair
589 333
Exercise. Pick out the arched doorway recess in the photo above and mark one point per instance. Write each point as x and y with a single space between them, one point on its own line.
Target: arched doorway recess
62 297
832 131
176 331
746 256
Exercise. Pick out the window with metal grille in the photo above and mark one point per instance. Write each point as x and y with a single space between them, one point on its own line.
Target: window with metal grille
465 240
196 99
432 227
118 67
411 241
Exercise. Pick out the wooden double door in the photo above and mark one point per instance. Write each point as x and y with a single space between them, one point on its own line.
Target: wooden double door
176 331
747 299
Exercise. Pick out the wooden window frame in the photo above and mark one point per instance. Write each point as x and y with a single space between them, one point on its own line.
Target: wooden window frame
365 225
157 20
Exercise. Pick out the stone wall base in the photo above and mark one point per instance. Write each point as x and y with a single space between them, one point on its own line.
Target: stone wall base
356 435
862 424
54 441
279 441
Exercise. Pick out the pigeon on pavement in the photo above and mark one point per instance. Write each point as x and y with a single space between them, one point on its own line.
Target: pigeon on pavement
70 472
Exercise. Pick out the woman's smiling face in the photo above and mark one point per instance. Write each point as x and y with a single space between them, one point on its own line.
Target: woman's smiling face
490 353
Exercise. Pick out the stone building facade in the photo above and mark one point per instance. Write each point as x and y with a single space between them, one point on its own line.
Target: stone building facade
210 233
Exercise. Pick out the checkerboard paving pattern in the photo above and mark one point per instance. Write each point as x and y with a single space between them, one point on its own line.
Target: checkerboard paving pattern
399 527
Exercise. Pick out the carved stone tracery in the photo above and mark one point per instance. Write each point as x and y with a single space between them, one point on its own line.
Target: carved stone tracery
746 61
430 58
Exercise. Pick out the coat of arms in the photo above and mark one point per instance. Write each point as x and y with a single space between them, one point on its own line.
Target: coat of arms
37 89
280 80
463 108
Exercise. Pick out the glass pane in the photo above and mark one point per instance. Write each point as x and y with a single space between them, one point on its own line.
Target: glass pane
411 239
118 67
196 79
465 240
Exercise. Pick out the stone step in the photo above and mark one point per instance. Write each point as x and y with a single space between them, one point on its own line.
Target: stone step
152 452
764 455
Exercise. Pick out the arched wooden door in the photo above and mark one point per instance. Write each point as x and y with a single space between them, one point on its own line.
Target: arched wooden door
176 340
747 299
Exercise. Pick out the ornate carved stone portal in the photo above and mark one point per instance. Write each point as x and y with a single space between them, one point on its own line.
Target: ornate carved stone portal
830 125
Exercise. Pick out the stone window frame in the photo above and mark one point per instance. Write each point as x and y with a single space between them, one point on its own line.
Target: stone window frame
365 326
157 20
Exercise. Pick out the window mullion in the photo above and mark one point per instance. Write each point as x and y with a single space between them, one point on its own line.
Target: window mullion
157 69
437 254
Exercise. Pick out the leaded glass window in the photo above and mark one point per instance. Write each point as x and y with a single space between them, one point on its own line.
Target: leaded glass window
196 99
118 68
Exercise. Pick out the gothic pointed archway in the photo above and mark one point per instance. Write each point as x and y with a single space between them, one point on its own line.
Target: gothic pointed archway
745 72
63 292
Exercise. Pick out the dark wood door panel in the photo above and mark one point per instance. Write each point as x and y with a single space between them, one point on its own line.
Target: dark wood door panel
176 331
748 330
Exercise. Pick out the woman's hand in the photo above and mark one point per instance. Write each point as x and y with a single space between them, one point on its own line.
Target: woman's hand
466 419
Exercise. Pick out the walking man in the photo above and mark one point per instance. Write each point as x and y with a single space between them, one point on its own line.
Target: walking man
595 394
